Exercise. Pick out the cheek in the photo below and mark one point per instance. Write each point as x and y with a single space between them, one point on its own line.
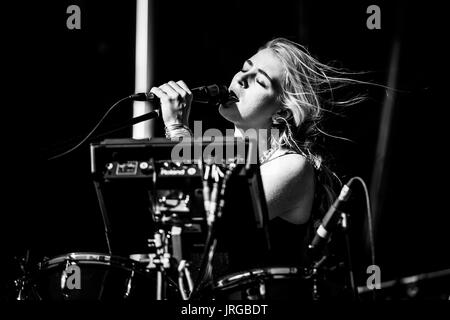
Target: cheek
262 104
256 110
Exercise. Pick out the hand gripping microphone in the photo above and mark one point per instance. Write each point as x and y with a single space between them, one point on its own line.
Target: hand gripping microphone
329 222
213 94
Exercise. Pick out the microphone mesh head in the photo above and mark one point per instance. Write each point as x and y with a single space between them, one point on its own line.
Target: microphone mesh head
214 94
218 93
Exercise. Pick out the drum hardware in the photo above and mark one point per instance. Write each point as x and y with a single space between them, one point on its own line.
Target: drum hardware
161 262
64 277
22 285
106 222
214 201
344 228
267 283
314 275
261 295
167 247
129 285
144 165
317 267
168 244
431 285
25 289
102 277
184 275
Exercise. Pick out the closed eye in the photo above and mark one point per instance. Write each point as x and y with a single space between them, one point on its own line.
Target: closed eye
261 83
260 71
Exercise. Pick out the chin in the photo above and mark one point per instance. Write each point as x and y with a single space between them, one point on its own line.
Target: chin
228 112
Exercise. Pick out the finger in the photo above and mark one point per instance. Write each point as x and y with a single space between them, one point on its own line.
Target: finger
159 93
173 95
183 85
183 93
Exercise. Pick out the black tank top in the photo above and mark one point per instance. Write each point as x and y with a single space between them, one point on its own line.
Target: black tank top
289 242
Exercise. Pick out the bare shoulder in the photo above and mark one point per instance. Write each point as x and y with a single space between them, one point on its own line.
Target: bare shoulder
290 165
289 187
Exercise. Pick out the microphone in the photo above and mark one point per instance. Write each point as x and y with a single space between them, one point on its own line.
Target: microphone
329 222
214 94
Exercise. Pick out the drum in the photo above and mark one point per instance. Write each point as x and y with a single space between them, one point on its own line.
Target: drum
272 283
93 276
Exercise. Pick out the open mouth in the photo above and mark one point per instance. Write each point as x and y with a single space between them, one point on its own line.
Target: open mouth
232 97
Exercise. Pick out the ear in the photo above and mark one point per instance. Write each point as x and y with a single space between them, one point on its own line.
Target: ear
281 116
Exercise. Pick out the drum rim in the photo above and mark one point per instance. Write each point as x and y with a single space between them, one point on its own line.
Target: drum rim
245 276
91 258
95 258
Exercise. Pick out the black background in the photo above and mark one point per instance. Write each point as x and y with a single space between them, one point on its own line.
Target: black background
64 80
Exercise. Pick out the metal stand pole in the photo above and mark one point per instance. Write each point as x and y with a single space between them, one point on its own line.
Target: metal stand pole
348 258
106 223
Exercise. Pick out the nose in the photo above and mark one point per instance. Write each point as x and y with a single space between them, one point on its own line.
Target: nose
241 79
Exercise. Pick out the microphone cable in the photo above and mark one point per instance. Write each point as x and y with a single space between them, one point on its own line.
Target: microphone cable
368 213
369 226
92 131
219 92
369 217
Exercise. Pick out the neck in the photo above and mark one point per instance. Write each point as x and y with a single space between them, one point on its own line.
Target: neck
264 136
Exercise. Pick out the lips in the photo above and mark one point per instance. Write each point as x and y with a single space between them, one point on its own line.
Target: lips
232 97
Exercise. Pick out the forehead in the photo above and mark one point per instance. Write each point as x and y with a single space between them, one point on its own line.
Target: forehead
266 60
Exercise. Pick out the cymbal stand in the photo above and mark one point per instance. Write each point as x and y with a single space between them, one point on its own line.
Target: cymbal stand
344 227
313 273
318 259
161 262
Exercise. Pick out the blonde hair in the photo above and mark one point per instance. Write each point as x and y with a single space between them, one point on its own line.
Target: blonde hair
306 88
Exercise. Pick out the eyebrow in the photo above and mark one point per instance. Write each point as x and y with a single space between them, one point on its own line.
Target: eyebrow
250 62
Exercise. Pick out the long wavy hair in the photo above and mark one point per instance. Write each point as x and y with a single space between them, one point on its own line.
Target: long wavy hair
306 94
